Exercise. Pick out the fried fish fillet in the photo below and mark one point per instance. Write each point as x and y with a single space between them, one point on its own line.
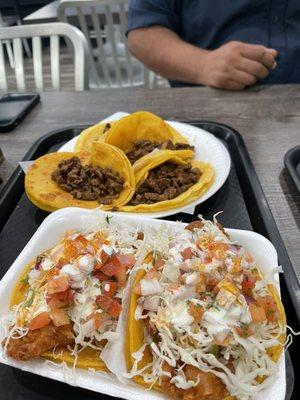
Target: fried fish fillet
36 342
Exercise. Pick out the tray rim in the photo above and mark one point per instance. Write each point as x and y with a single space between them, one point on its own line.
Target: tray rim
289 164
290 278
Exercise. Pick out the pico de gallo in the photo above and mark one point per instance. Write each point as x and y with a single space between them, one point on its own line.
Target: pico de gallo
73 294
211 322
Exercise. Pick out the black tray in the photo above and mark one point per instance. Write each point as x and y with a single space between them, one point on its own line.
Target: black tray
244 205
292 164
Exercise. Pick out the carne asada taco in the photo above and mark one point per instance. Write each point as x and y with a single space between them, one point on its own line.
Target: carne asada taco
164 181
67 303
203 321
94 133
142 132
104 177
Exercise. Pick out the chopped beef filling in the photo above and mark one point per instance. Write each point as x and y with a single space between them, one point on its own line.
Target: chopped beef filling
166 182
86 182
143 147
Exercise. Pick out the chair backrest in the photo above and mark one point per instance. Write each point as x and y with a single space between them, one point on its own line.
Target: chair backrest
54 31
103 23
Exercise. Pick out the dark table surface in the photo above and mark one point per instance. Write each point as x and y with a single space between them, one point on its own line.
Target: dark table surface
267 117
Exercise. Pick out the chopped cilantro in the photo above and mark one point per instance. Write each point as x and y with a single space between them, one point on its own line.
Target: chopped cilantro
24 280
30 298
107 219
214 349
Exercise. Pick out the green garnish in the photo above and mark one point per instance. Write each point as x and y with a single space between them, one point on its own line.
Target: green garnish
24 280
107 219
29 299
214 349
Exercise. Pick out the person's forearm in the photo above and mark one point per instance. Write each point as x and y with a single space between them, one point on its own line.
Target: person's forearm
166 54
234 65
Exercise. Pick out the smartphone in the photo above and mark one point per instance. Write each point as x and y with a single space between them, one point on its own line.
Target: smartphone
14 107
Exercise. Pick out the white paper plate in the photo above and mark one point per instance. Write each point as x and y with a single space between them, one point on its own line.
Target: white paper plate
207 148
50 232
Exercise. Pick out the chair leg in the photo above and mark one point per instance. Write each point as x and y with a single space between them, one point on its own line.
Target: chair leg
10 54
25 43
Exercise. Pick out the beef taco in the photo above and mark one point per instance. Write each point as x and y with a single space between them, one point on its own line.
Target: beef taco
66 304
94 133
203 321
142 132
164 180
103 177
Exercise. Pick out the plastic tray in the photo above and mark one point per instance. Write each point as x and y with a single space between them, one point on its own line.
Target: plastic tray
292 164
244 205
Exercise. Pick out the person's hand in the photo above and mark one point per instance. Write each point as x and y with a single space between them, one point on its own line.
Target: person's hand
236 65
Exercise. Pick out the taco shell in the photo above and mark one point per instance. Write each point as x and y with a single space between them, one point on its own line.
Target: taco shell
47 195
141 125
94 133
194 192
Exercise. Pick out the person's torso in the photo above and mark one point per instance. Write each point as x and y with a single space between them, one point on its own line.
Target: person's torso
272 23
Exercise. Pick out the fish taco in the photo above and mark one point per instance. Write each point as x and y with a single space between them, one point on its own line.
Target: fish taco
83 179
66 304
204 323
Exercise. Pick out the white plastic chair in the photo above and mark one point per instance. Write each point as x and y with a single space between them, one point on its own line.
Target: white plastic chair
103 22
54 31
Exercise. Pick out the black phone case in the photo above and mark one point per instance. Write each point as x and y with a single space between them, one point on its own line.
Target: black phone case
6 127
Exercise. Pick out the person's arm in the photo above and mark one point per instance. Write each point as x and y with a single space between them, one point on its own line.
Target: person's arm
234 65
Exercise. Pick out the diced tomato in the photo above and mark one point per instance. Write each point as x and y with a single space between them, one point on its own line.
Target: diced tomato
196 312
100 319
100 275
110 269
211 283
152 274
188 253
219 250
257 313
270 307
140 236
126 261
248 282
103 258
67 296
76 247
98 240
57 284
244 330
201 284
60 317
110 288
39 321
61 262
110 305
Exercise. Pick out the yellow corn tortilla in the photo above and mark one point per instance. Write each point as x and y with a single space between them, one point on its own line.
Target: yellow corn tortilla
88 358
134 337
47 195
90 135
193 193
141 125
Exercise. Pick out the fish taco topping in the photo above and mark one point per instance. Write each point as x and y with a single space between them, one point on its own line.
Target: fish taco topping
166 182
87 182
213 325
143 147
71 296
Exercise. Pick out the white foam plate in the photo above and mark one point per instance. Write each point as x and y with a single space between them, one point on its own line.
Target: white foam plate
207 148
50 232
